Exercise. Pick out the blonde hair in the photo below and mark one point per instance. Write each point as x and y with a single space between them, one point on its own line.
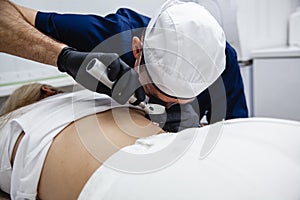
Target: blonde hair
25 95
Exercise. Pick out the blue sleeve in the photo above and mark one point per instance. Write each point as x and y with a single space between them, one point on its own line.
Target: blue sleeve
234 89
85 32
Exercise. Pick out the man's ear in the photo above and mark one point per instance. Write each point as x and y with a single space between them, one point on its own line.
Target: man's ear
136 47
48 90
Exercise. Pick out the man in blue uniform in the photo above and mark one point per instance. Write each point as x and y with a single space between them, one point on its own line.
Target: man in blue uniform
223 99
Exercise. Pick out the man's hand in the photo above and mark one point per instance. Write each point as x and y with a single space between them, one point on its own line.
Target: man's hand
126 80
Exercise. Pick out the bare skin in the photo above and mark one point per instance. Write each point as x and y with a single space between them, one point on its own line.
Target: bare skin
18 37
83 146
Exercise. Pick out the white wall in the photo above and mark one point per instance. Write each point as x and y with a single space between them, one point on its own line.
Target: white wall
92 6
263 24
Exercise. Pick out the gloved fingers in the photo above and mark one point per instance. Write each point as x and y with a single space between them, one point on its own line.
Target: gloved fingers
91 83
139 95
116 69
126 86
113 70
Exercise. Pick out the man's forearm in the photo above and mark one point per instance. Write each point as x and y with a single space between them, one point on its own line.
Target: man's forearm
28 13
19 37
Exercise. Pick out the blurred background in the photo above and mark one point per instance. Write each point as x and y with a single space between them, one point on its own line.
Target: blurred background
265 33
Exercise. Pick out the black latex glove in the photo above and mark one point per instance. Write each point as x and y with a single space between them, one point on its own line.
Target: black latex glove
126 80
176 118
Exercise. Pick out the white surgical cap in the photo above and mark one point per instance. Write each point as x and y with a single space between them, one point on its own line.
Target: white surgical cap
184 49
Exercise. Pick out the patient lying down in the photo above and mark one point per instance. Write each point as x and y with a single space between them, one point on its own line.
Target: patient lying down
74 145
68 163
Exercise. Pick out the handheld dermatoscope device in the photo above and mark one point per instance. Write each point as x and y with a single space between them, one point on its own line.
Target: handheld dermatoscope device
98 70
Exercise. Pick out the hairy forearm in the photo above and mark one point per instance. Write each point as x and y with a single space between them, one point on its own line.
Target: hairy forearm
19 37
28 13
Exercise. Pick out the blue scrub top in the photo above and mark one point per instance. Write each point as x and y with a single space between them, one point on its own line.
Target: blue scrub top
92 32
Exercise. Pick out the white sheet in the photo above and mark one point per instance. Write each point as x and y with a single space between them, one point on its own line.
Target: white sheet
242 159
